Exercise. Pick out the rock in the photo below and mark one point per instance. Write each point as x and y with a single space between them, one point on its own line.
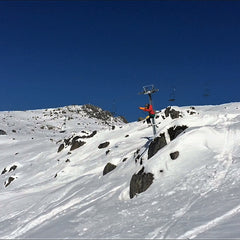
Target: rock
172 112
174 155
92 134
10 179
4 171
76 145
61 147
108 168
156 145
140 182
75 139
2 132
175 131
12 168
167 111
88 136
103 145
67 141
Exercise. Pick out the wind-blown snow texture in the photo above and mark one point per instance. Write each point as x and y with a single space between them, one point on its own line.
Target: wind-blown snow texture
47 192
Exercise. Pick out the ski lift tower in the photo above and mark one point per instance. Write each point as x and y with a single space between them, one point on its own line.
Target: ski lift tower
149 90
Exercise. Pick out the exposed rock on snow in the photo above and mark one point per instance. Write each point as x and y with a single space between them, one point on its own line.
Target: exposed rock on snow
156 145
103 145
140 182
172 112
96 112
108 168
2 132
61 147
174 155
10 179
76 144
175 131
4 171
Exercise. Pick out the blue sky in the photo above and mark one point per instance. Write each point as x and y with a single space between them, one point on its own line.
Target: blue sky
58 53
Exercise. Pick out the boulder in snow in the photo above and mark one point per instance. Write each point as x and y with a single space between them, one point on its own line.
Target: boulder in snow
172 112
2 132
76 145
10 179
61 147
175 131
4 171
108 168
140 182
103 145
174 155
156 145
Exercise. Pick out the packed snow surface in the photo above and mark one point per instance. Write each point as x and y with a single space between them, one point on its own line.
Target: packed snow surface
50 193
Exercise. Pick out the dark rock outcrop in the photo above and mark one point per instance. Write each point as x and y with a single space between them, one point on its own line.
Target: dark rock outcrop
76 145
103 145
4 171
172 112
2 132
13 168
96 112
174 155
89 136
156 145
10 179
140 182
175 131
61 147
108 168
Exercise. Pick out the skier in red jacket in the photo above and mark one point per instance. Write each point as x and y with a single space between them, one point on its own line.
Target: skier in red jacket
151 113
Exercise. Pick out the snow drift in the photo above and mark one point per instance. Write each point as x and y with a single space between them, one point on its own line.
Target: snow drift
78 172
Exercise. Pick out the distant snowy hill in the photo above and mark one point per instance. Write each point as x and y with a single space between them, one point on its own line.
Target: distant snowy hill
78 172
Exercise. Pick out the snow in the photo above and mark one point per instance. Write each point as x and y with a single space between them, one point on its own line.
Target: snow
65 195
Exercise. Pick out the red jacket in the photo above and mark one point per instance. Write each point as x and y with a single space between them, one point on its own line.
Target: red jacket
150 109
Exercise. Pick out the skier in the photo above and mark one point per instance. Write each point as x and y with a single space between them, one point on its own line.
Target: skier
151 113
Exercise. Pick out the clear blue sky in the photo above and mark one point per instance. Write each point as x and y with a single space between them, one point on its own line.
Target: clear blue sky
58 53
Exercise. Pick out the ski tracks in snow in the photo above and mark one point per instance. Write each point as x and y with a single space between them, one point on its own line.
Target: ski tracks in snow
224 161
203 228
51 214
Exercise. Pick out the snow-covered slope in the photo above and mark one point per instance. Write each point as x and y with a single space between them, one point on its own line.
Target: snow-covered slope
182 183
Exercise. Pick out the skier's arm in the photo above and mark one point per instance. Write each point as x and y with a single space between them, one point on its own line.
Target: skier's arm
144 109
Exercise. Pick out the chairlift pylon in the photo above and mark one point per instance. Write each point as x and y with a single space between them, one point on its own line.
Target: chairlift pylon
149 89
